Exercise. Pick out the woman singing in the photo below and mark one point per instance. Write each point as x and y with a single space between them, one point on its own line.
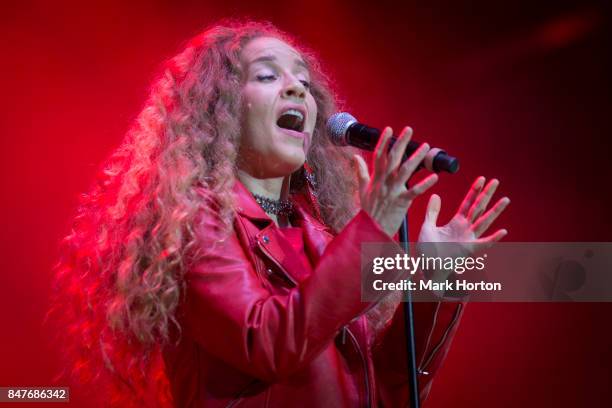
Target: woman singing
216 260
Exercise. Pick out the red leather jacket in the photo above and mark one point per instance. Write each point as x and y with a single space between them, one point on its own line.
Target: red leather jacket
262 329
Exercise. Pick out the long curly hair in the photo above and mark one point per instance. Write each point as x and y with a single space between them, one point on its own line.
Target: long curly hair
119 279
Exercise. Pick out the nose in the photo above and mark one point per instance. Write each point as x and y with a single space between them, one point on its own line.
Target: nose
294 88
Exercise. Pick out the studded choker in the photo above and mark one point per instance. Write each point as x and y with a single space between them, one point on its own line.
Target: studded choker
276 207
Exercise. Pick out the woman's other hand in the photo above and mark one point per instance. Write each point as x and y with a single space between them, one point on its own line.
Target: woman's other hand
470 222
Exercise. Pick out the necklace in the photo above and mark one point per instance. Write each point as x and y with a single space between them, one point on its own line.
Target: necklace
276 207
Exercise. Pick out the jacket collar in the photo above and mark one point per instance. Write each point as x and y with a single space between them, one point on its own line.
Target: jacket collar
316 234
247 206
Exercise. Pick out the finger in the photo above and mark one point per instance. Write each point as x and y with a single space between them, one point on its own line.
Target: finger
410 165
420 187
380 153
483 200
485 221
398 149
464 208
433 209
362 172
489 240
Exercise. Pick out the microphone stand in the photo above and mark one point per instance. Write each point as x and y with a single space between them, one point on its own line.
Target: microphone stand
409 325
451 165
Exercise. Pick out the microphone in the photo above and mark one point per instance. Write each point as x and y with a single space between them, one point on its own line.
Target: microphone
344 130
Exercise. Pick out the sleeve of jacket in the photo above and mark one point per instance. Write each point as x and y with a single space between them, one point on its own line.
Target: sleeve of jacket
435 325
235 318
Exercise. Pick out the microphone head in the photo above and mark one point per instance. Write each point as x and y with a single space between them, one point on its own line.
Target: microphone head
337 125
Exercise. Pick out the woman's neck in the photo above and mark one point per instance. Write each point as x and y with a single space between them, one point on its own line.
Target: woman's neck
273 188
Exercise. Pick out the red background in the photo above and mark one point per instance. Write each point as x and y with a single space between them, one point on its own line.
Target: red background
520 92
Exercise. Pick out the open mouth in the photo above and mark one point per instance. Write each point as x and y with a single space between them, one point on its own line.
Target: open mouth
291 119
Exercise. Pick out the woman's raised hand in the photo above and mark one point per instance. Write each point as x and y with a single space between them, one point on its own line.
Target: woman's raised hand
470 222
384 195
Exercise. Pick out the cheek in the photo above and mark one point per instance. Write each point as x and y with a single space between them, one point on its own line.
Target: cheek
251 132
253 114
251 103
257 98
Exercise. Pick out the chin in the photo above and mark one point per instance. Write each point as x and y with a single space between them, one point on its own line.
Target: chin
291 162
294 166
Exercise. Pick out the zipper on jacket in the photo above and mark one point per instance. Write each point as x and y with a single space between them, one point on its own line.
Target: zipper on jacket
434 351
365 366
433 326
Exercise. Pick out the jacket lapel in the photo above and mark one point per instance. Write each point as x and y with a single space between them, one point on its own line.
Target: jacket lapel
316 235
270 241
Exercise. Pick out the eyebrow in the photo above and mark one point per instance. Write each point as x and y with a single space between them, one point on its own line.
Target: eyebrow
272 58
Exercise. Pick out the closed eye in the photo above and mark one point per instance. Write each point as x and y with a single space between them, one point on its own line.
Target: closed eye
266 78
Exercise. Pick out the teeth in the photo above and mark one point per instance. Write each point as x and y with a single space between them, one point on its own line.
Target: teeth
294 113
291 119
